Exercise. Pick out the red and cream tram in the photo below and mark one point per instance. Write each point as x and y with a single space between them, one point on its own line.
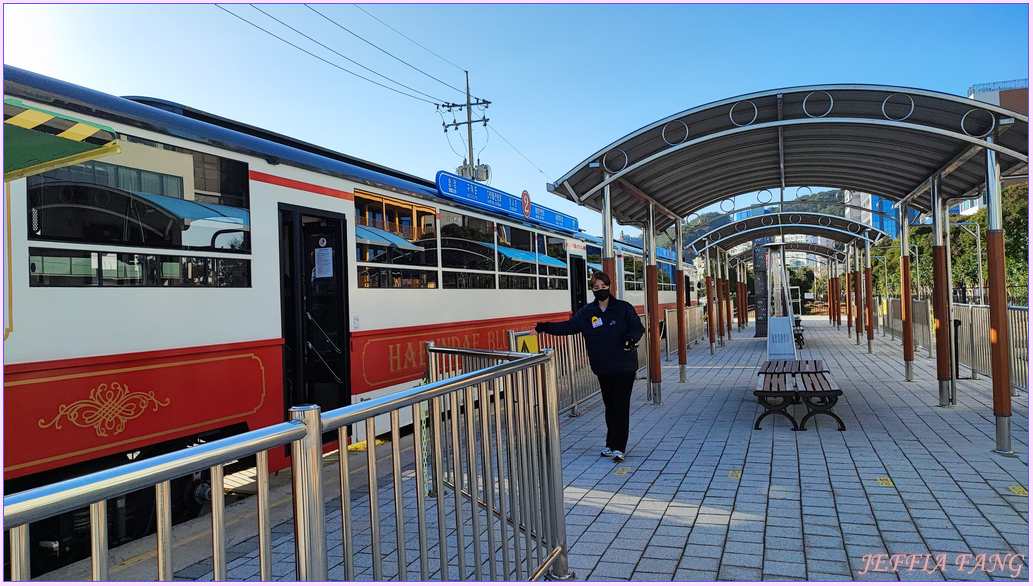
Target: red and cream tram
210 275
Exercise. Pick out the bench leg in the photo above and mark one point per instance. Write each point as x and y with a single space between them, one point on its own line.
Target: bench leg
803 421
781 412
821 404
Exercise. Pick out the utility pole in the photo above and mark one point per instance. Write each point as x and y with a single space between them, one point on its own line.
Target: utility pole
469 170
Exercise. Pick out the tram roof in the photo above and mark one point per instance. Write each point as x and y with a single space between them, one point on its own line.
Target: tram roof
884 140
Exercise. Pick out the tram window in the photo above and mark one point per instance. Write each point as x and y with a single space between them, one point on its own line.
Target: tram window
231 272
463 280
84 213
105 174
76 268
467 243
62 268
665 276
633 273
396 278
552 284
517 282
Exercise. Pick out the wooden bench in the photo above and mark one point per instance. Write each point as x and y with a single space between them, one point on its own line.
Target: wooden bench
787 382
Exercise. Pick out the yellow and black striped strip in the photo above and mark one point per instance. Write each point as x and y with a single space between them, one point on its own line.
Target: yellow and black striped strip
41 121
65 140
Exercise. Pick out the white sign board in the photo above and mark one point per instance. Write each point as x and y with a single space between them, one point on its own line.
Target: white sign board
324 263
780 339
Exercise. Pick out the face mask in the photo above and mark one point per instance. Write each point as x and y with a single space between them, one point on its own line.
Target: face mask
601 294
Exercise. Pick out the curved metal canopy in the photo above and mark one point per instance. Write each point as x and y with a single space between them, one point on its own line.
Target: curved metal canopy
801 247
828 226
883 140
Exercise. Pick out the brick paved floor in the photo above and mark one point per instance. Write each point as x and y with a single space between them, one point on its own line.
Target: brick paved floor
704 496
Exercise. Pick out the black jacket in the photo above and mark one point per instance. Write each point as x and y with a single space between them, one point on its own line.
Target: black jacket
605 332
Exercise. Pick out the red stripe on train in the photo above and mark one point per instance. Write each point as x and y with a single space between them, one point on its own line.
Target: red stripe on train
300 185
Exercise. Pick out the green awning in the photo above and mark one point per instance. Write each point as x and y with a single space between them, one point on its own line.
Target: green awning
36 140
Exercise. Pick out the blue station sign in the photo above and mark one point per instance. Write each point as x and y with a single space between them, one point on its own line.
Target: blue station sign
457 188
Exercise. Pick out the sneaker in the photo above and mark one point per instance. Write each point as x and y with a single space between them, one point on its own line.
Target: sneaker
607 453
618 456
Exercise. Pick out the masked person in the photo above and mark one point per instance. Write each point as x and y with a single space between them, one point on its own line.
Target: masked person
612 330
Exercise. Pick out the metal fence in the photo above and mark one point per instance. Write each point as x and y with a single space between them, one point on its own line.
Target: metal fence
973 335
695 328
477 493
974 341
574 377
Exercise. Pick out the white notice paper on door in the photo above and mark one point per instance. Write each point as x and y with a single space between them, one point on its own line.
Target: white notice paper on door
324 263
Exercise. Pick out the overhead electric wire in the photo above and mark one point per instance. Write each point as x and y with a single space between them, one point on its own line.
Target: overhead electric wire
338 25
274 35
343 56
410 40
518 152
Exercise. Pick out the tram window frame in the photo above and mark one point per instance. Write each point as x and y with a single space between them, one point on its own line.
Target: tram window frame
471 280
396 277
373 212
156 269
636 269
460 234
514 272
665 270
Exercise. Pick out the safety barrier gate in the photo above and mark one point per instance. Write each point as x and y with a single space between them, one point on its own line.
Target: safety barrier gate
481 475
973 335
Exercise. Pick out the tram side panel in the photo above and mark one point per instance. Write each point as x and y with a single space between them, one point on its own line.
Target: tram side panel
95 371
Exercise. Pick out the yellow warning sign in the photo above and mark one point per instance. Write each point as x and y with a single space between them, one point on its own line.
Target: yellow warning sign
884 481
735 473
528 343
622 471
1018 490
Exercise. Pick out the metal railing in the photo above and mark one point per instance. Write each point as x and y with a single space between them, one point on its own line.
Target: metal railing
490 437
695 328
95 489
575 380
973 336
974 341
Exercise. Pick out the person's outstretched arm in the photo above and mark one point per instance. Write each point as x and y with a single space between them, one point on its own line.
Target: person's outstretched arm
563 328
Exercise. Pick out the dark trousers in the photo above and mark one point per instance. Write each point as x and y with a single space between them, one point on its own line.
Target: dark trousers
616 390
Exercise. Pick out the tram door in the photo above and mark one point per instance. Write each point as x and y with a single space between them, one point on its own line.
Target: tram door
578 283
314 308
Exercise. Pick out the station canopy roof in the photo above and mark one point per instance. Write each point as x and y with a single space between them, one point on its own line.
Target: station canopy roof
828 226
882 140
796 247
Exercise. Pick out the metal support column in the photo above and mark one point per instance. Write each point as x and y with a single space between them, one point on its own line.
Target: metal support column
728 296
941 294
858 295
609 261
653 316
309 509
907 327
869 301
719 313
679 287
849 283
711 312
1000 360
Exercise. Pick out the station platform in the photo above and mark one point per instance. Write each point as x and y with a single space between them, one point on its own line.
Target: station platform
910 491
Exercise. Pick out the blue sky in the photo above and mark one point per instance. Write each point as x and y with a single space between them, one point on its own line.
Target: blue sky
564 80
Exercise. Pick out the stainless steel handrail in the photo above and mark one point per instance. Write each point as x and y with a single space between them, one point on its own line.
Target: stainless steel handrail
367 409
46 501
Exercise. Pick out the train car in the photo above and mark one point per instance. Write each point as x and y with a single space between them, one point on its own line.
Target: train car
211 275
